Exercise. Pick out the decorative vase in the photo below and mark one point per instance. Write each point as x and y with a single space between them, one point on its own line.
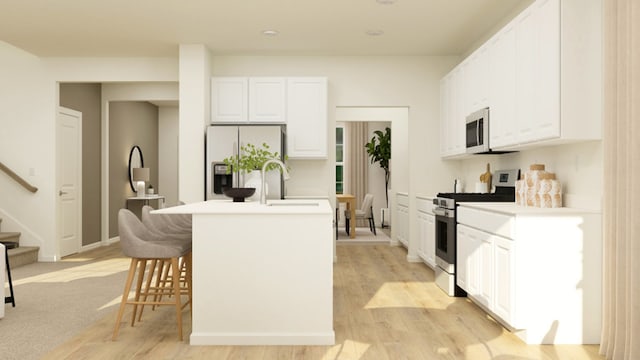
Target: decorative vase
253 179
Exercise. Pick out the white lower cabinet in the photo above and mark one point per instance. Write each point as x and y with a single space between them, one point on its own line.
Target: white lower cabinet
537 271
476 265
426 232
503 258
402 225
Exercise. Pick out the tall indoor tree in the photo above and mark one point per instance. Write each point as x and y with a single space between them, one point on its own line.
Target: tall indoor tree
379 150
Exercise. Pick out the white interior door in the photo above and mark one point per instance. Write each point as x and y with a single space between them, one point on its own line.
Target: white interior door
69 180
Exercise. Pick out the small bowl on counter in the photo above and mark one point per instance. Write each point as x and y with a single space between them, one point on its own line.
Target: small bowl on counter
238 194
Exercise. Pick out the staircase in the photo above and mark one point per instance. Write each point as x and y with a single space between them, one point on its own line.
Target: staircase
20 255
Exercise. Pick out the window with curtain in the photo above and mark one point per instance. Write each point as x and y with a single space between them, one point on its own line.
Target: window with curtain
339 160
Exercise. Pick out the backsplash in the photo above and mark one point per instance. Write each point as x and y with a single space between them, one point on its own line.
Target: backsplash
578 167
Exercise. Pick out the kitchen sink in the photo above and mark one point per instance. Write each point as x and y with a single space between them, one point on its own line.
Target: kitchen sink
292 204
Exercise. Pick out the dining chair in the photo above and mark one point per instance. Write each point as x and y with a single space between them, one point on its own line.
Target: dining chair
365 212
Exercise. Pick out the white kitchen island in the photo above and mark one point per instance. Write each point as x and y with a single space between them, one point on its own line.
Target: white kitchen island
262 274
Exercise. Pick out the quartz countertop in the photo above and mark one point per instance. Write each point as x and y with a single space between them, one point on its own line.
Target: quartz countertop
509 208
306 206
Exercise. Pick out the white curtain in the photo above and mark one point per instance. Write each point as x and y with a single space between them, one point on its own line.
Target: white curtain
357 160
621 291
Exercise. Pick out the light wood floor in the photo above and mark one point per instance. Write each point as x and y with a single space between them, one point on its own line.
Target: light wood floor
385 308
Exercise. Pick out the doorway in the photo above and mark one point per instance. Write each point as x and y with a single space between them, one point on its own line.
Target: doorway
398 118
69 181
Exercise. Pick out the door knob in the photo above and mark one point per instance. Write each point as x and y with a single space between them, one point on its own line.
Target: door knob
62 193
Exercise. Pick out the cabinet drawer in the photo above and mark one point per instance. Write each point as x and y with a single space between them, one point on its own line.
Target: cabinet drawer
425 206
499 224
402 199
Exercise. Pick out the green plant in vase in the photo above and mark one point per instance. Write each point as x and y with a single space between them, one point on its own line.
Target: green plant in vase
252 158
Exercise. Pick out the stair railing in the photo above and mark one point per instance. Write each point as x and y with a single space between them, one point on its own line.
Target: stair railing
17 178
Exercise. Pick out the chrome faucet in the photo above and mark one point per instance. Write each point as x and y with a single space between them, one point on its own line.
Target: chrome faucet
285 175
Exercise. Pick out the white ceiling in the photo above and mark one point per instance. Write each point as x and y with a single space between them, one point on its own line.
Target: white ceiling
326 27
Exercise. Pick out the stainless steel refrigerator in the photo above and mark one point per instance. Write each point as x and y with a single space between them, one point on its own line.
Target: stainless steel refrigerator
226 140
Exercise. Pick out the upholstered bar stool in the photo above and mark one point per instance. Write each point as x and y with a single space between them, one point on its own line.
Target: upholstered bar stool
144 246
165 223
160 225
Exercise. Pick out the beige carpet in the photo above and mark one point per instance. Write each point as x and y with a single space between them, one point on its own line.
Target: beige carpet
55 301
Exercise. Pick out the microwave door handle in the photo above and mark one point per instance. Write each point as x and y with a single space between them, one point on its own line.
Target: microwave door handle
478 132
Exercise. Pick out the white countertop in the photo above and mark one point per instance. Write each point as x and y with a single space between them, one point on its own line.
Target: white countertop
306 206
513 209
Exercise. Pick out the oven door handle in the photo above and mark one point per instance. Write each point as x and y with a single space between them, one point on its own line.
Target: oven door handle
440 212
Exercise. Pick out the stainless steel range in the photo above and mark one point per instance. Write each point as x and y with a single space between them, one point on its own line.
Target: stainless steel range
445 210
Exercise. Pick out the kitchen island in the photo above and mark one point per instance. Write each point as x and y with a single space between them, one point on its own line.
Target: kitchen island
262 274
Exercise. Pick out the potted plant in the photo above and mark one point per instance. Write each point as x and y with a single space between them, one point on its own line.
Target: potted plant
379 150
249 161
251 158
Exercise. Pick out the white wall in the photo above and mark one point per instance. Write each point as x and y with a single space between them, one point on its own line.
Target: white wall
28 105
27 146
168 153
578 167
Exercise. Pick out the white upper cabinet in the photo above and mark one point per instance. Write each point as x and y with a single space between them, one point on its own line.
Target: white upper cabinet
307 120
229 99
267 99
502 87
248 100
452 117
558 76
540 76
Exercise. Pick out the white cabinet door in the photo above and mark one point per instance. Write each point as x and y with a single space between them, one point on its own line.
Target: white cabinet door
538 72
476 80
307 118
547 121
473 262
457 126
526 74
422 235
427 238
229 99
430 244
267 99
445 113
502 72
504 280
463 251
485 269
453 107
403 221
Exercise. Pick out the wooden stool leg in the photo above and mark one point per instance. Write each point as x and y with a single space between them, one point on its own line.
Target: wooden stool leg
141 270
125 296
147 288
176 294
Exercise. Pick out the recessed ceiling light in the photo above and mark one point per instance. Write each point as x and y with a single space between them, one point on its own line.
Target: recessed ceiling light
386 2
270 32
374 32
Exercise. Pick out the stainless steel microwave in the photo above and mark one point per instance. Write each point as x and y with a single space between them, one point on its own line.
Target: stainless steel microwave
477 132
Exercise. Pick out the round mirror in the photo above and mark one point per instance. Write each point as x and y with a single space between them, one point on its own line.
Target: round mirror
135 161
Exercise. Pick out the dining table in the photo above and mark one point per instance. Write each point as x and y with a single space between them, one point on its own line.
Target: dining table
350 200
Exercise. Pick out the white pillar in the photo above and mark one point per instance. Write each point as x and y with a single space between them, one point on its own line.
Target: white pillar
194 75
